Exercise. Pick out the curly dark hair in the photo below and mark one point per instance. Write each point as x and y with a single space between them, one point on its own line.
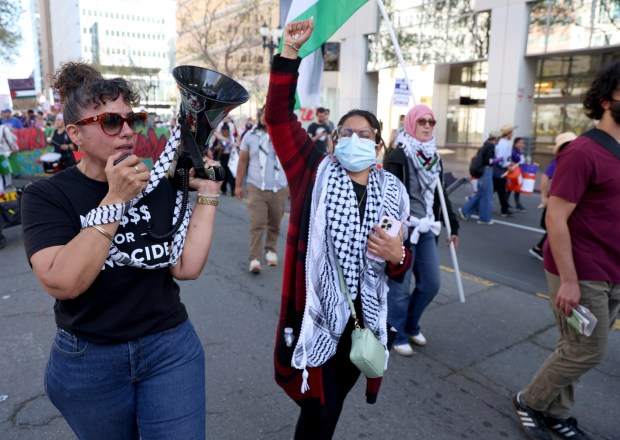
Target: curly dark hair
80 85
603 86
370 117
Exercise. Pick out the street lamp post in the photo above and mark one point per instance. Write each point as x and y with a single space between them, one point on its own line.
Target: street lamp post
271 39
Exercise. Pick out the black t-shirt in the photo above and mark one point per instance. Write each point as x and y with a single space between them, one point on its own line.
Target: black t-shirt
58 139
123 303
321 142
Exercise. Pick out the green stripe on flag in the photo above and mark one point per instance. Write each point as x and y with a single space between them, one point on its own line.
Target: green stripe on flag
329 15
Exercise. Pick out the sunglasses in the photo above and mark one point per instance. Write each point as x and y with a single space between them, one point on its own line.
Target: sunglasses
112 123
422 122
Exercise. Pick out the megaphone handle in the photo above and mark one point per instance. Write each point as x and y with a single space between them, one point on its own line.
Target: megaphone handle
189 144
184 201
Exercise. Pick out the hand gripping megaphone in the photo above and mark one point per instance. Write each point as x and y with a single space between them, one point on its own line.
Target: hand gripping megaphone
206 98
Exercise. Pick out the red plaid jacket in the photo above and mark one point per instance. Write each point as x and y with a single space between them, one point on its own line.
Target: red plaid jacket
300 160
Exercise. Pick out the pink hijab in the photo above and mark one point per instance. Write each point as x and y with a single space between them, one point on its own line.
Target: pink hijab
413 115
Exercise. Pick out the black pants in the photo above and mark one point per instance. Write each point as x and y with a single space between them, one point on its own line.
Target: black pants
230 180
499 186
318 422
543 224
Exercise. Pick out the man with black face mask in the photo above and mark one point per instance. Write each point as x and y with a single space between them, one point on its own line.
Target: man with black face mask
582 261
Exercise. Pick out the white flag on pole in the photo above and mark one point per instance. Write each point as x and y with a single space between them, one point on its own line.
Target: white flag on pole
328 15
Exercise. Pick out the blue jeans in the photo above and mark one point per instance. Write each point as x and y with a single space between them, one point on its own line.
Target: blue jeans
482 201
149 388
406 308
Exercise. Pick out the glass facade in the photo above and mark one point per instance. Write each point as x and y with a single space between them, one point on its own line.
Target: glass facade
569 40
467 94
568 25
431 32
561 83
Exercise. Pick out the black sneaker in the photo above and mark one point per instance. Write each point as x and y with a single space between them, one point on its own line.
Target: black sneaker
566 428
532 421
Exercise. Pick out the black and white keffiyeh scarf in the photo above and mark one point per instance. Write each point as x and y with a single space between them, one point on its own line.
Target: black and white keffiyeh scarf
425 160
111 213
265 149
337 237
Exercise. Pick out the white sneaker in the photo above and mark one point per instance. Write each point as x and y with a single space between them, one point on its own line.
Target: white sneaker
418 339
462 215
272 258
255 266
403 349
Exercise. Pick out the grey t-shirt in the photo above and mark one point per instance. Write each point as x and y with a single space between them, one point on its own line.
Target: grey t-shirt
268 176
417 208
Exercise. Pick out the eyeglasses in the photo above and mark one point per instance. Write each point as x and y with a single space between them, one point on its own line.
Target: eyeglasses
362 133
112 123
422 122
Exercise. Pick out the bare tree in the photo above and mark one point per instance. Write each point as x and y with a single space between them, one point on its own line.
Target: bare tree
223 37
10 34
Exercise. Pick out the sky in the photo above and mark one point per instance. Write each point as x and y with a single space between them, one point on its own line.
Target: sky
23 64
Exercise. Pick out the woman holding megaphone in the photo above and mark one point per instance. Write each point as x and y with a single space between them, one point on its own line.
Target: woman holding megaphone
126 362
335 248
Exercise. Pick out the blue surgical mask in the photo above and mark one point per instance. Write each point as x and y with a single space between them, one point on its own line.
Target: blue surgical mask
355 154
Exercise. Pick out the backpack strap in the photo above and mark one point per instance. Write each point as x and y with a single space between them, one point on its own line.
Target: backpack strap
605 140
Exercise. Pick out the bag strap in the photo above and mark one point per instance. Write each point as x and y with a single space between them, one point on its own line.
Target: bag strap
605 140
345 289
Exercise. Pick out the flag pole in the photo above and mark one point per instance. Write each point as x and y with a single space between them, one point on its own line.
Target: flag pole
399 53
444 208
446 220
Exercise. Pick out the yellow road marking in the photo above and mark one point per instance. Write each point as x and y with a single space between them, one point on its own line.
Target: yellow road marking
469 277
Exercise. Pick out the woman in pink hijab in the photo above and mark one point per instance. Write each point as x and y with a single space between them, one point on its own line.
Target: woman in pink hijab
416 163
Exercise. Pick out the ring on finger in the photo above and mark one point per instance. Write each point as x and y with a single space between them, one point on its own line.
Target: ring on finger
135 167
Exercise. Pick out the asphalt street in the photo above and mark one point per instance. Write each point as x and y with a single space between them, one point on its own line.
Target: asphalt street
457 387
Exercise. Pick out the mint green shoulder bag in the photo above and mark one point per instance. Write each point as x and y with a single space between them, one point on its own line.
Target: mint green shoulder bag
367 353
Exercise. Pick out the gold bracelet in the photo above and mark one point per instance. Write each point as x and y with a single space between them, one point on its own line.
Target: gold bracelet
203 200
213 196
103 231
293 46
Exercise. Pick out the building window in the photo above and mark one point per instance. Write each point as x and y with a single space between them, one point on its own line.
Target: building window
466 103
560 83
432 32
331 57
561 25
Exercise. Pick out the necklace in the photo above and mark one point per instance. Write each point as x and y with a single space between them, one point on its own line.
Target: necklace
362 198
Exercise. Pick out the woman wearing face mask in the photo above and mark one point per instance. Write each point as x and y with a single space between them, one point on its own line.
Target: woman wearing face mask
336 204
416 163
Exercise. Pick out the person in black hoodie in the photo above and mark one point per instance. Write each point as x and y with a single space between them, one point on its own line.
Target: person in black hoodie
482 201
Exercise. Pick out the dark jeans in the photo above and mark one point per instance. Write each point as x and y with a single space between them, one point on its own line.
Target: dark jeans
544 226
499 186
405 307
230 180
152 387
318 422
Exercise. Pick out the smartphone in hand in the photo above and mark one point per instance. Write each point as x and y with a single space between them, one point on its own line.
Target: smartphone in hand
392 227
